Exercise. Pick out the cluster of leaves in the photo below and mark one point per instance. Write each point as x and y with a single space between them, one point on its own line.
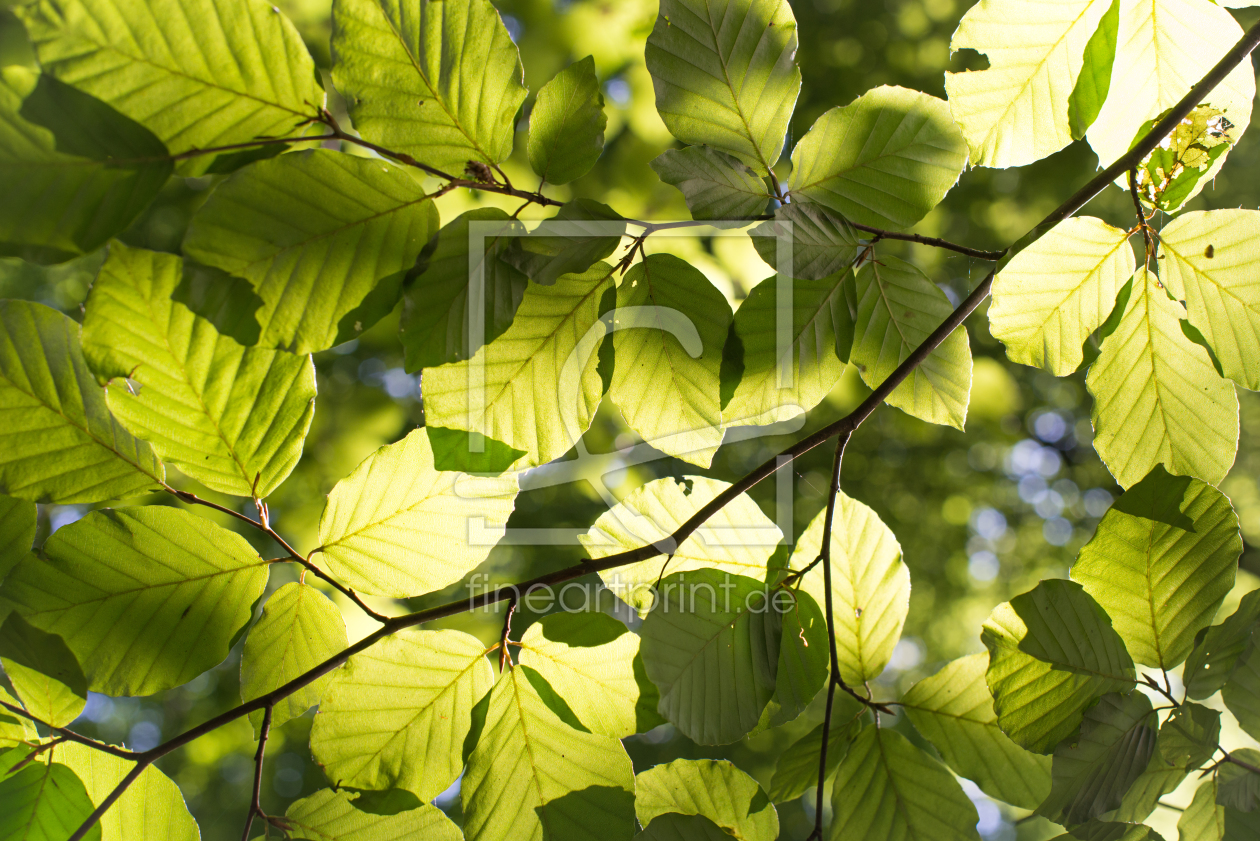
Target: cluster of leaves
201 361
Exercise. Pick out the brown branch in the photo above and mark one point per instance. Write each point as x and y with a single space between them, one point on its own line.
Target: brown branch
255 805
845 425
935 242
113 750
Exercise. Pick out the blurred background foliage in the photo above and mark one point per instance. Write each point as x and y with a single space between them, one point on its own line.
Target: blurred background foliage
981 515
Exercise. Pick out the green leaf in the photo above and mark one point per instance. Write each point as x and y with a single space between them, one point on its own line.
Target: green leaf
227 302
1052 654
14 729
738 539
299 629
713 657
398 527
953 710
197 73
537 386
1239 787
1094 80
329 815
1092 773
566 126
885 159
233 418
1217 649
18 523
296 227
676 827
76 172
1210 264
1163 48
897 309
1170 173
441 82
454 451
1160 563
870 586
1203 819
797 769
435 326
904 794
396 715
1110 831
147 598
1017 111
1053 294
581 233
715 185
532 776
725 74
60 443
43 671
41 802
1241 692
803 657
669 329
1187 415
592 660
822 242
716 790
778 384
151 809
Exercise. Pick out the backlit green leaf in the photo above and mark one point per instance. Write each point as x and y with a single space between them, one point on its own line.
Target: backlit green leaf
533 777
1217 649
151 809
14 728
716 790
1241 692
777 383
197 73
398 527
592 660
822 242
1054 293
18 522
147 598
897 309
1157 397
797 769
669 329
739 539
1187 739
566 127
581 233
1210 262
675 827
59 442
299 629
1203 819
396 715
1160 563
234 418
888 789
537 386
1016 111
885 159
435 327
76 172
315 232
1239 787
440 81
1052 654
716 186
1092 773
329 815
1094 80
43 671
953 710
711 646
804 658
1110 831
42 801
725 74
870 586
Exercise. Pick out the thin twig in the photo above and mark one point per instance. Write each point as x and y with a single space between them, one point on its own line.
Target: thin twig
1233 760
255 804
1149 681
824 556
121 753
503 637
1169 806
846 424
935 242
